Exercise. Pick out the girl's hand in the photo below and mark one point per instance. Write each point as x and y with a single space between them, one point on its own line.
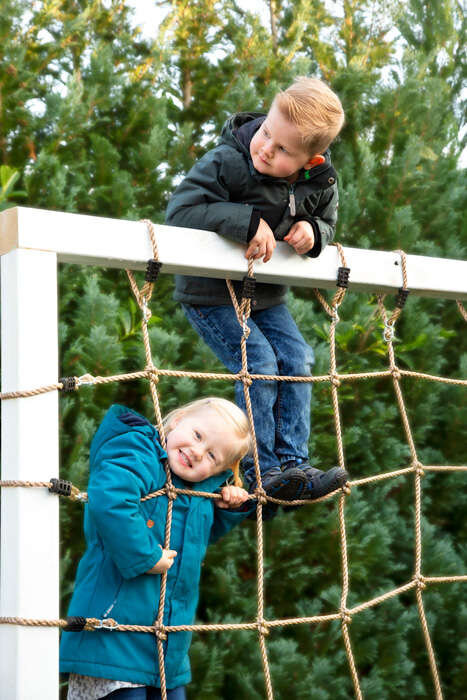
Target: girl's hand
301 237
164 563
262 244
232 497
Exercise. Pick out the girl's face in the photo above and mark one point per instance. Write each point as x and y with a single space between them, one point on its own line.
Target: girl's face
199 444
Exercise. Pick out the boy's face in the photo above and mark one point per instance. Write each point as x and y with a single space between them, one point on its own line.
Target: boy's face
277 148
199 444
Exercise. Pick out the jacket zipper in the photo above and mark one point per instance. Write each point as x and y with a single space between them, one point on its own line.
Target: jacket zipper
293 209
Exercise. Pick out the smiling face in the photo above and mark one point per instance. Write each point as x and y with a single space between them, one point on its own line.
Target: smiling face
277 148
199 444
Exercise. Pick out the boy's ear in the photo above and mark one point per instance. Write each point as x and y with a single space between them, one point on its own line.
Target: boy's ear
314 161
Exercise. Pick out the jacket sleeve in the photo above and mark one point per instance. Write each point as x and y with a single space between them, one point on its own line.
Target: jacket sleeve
202 200
122 472
225 520
324 220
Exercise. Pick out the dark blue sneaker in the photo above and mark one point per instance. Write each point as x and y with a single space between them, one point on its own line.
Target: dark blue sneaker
321 483
286 486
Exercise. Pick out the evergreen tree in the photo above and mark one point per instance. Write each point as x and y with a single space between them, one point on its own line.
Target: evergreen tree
97 120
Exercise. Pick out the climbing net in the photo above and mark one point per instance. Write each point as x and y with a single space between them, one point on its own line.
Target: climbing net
418 582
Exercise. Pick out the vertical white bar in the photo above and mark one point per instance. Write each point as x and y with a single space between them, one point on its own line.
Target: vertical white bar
29 573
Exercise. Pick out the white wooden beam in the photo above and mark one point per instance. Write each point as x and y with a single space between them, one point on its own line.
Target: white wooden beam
92 240
29 566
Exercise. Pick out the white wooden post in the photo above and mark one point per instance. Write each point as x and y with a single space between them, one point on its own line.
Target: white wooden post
29 516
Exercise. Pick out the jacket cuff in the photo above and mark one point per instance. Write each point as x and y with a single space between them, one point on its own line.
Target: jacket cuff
254 223
142 566
317 247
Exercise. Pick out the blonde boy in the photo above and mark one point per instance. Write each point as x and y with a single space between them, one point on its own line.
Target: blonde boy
269 179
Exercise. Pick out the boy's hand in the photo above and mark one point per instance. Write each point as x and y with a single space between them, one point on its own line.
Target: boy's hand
301 237
232 497
262 244
164 563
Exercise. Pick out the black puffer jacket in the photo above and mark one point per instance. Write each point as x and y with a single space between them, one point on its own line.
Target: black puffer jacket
224 193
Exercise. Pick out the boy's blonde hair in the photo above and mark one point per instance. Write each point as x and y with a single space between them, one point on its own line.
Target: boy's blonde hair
234 417
314 109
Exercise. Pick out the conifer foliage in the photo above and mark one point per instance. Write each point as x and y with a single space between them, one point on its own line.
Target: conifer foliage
97 119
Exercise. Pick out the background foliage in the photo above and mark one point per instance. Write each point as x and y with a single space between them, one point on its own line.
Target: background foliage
97 119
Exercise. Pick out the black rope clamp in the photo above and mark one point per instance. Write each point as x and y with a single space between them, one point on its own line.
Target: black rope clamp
69 383
152 270
401 297
249 287
75 624
60 486
343 277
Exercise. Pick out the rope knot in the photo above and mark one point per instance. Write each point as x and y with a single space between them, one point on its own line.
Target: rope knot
260 494
418 468
159 631
346 489
245 377
396 373
335 380
419 581
262 628
171 492
346 617
153 373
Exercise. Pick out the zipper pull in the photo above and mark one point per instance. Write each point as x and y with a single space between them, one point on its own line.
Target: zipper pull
293 209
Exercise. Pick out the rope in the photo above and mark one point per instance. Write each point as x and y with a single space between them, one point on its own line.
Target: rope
416 469
217 376
462 310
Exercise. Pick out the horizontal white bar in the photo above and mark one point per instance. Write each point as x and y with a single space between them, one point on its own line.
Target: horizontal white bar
92 240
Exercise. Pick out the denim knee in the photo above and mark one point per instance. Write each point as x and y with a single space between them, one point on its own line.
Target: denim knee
299 362
264 362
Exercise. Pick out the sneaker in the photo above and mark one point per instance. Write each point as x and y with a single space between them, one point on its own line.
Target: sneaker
287 486
321 483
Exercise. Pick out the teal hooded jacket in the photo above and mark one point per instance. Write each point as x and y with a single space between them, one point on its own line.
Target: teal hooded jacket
124 538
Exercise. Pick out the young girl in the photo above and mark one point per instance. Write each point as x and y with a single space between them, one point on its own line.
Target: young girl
119 575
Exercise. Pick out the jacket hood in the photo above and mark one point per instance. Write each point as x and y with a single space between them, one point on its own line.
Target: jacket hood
120 420
234 122
239 129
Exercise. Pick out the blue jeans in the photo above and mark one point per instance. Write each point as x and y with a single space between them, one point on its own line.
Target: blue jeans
281 410
147 693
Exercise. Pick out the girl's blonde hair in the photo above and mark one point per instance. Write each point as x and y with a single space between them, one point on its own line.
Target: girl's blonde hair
234 417
314 109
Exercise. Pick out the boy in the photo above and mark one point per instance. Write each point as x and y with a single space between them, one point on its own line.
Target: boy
270 179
